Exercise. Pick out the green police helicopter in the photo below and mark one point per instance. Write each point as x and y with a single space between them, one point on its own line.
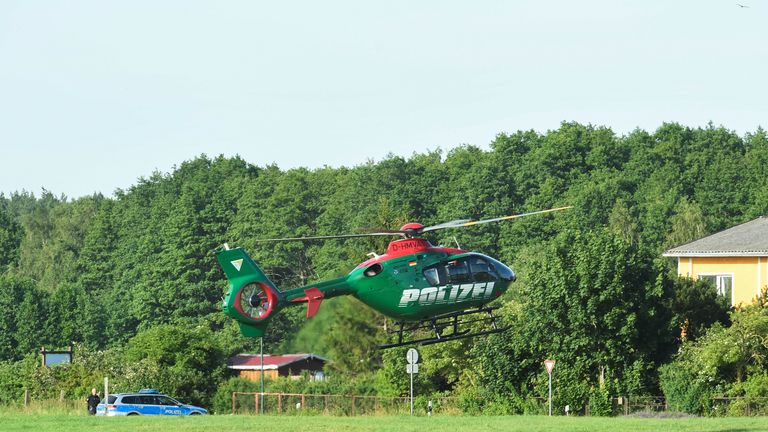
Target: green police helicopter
440 291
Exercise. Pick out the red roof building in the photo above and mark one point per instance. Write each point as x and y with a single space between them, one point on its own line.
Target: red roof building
291 365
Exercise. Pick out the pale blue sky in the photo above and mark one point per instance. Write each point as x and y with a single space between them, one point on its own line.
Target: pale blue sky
95 94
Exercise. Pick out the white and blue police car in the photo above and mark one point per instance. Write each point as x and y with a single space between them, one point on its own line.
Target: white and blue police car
145 402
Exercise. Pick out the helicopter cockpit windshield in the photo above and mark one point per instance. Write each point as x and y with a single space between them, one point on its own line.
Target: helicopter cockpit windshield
468 269
504 272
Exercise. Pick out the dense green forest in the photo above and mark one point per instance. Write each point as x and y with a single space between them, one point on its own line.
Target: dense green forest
132 281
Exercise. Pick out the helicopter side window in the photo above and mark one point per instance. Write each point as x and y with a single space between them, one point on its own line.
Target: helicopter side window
481 270
431 276
458 272
435 275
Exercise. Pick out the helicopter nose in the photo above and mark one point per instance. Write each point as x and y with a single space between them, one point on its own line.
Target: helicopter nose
508 275
505 273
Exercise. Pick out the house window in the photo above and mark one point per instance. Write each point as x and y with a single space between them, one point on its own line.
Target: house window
723 283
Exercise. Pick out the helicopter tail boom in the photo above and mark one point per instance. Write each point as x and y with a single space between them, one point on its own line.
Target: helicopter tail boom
314 294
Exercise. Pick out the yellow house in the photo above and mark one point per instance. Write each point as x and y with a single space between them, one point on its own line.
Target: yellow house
735 260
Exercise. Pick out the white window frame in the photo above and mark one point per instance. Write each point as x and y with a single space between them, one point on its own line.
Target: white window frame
718 283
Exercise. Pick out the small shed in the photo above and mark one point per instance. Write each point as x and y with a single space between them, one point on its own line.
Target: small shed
249 366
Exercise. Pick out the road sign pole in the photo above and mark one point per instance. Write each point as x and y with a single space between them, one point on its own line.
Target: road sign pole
413 367
550 365
411 391
550 394
261 405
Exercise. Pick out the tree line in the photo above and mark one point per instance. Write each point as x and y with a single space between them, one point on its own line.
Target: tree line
593 290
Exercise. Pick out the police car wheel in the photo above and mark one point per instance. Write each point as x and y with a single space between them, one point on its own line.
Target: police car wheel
133 414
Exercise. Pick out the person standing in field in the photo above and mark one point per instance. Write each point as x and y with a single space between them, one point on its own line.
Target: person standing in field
93 401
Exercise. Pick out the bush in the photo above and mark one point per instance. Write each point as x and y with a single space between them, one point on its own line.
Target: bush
756 386
600 404
75 379
684 390
187 363
15 377
358 385
738 408
471 403
500 406
221 402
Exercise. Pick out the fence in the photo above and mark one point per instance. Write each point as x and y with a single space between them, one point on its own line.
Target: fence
328 404
721 406
348 405
633 404
739 406
26 403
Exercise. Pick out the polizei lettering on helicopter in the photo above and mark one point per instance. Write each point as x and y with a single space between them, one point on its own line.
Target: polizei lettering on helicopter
447 294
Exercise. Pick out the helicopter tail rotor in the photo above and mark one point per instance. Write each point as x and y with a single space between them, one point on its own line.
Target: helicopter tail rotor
252 298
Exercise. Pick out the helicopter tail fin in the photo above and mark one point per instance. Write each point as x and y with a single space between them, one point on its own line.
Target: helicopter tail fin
240 268
252 298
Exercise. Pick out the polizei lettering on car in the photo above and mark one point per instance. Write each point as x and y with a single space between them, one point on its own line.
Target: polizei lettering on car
447 294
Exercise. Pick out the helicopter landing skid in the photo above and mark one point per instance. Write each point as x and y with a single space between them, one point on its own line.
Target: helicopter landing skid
447 327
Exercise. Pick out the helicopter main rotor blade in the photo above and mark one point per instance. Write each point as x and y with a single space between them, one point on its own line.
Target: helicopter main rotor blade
287 239
380 231
465 223
410 233
450 224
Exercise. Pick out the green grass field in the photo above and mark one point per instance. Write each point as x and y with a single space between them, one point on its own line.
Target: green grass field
65 423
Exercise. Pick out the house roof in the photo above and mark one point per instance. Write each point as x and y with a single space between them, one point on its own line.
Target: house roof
747 239
253 361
